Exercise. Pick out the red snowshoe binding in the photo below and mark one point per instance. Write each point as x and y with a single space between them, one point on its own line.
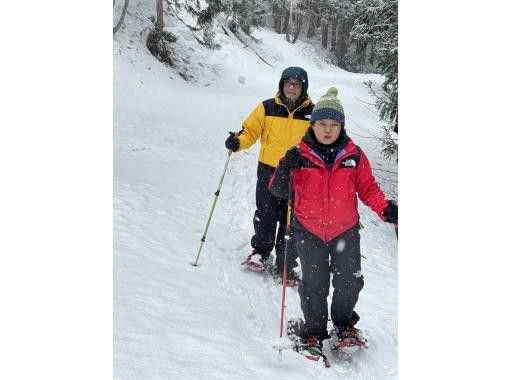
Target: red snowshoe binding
255 262
348 340
311 348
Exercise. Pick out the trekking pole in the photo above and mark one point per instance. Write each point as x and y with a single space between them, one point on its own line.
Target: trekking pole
216 195
284 279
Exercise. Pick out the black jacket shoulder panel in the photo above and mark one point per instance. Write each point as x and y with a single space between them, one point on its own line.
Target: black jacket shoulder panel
273 109
351 161
305 163
304 113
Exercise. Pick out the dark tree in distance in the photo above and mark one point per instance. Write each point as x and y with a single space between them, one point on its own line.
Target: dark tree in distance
377 23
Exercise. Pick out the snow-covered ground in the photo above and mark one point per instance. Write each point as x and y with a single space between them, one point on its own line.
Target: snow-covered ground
55 202
217 321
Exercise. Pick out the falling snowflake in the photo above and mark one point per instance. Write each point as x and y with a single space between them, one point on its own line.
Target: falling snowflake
340 246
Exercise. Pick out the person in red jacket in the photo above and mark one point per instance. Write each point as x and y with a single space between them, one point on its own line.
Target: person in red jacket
328 173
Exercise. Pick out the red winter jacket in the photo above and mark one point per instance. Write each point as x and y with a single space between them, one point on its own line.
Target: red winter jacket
325 201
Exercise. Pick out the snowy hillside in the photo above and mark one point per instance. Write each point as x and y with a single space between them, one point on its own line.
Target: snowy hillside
216 321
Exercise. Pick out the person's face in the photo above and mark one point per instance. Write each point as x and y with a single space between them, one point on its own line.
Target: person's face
327 130
292 89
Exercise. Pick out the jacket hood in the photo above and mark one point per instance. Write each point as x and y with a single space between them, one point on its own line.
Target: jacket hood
298 73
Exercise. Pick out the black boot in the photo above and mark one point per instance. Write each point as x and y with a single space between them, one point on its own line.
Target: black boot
293 278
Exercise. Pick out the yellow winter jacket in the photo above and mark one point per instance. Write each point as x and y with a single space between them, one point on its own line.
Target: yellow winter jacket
277 127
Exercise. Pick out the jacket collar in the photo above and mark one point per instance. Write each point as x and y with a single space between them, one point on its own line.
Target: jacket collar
326 155
303 101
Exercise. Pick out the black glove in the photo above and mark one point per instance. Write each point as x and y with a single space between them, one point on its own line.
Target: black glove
292 159
232 143
391 212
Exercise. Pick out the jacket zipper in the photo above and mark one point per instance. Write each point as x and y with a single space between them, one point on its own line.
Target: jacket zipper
289 120
326 206
329 172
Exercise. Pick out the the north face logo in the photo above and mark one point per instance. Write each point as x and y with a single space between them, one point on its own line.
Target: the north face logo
349 163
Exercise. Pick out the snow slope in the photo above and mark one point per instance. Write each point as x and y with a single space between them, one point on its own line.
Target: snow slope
216 321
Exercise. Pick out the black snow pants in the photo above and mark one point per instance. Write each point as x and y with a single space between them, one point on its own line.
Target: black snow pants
270 212
342 258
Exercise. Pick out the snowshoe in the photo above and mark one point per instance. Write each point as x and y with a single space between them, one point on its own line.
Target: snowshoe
347 341
257 263
310 348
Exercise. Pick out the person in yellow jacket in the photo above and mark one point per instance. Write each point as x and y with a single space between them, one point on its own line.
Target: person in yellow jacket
279 123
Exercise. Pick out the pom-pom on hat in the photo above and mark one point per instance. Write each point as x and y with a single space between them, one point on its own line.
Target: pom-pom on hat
329 107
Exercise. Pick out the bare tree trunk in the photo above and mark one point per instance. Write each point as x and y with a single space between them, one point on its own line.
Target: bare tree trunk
290 24
324 27
277 25
123 14
158 40
299 23
341 47
277 18
286 23
372 54
159 15
334 28
311 26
